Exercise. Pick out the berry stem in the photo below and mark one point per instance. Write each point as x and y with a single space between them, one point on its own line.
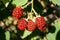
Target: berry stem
27 4
32 9
30 15
32 5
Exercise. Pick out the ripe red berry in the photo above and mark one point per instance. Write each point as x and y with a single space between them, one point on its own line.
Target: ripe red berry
40 22
31 25
22 24
17 12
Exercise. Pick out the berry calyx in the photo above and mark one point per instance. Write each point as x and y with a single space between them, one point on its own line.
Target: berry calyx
31 25
22 24
40 23
17 12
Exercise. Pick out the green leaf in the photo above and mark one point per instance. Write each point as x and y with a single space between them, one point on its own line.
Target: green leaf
6 2
52 36
56 2
19 2
35 38
26 33
7 34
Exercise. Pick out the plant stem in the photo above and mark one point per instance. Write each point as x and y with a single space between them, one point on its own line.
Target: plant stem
34 11
27 4
32 5
32 8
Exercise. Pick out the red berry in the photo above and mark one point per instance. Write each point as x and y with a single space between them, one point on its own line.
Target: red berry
40 22
31 25
22 24
17 12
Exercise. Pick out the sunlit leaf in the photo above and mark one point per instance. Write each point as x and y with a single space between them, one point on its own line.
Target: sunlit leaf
52 36
26 33
7 34
6 2
19 2
35 38
56 2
